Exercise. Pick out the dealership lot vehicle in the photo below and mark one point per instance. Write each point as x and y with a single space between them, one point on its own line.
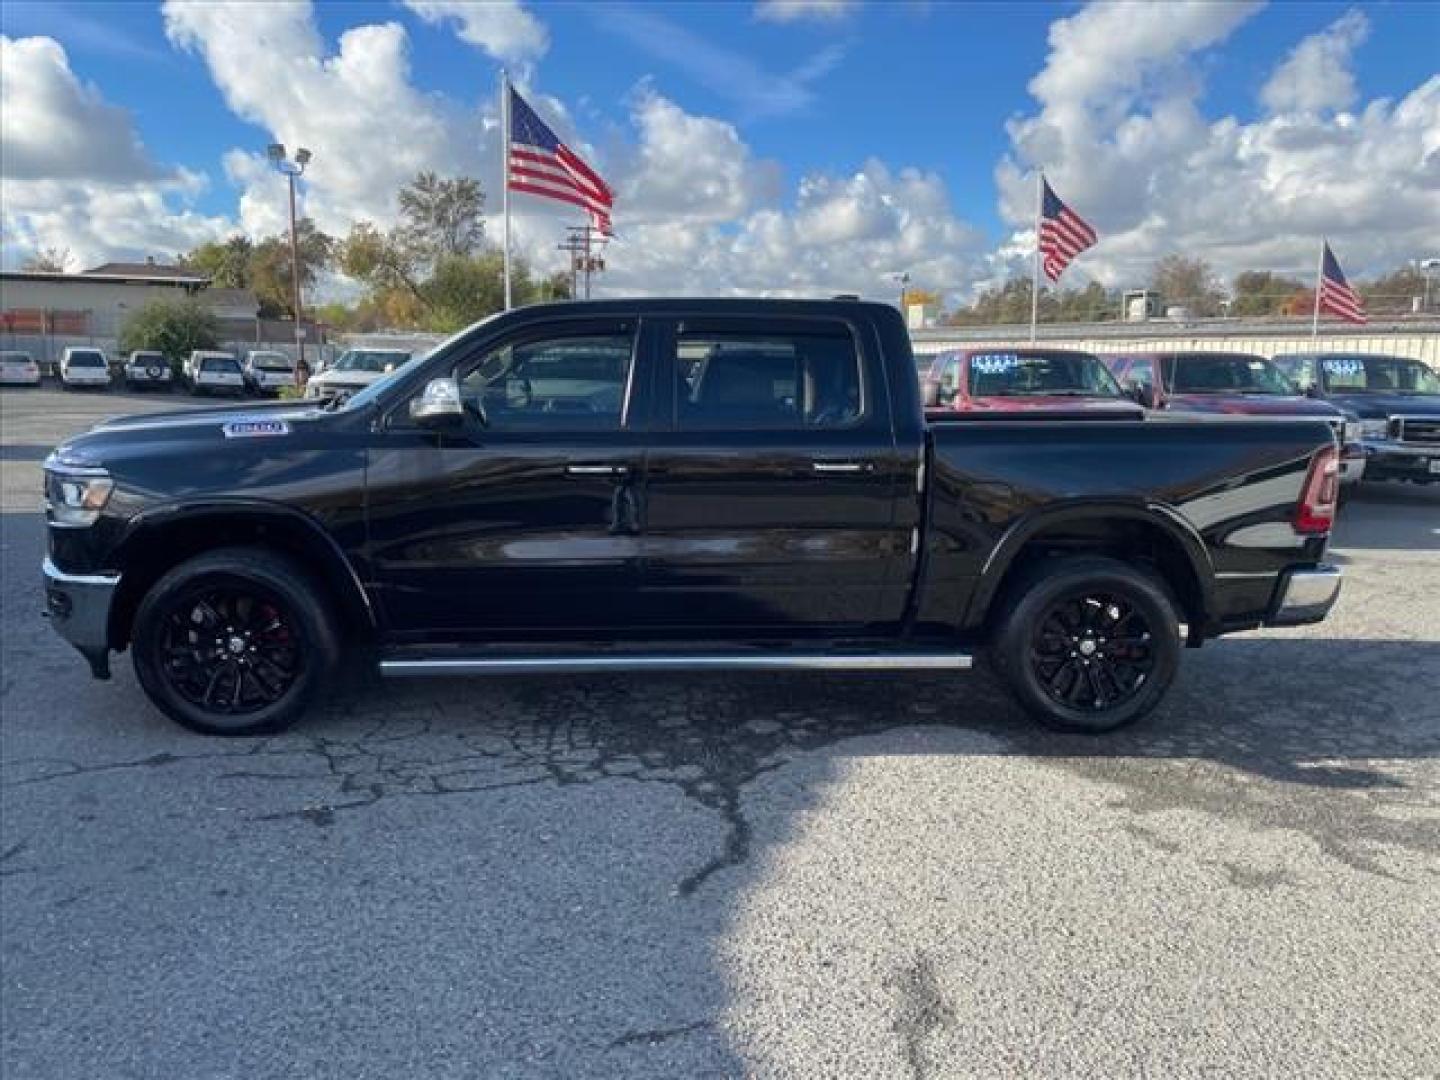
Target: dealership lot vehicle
1009 379
268 372
1397 400
215 373
1232 384
543 487
18 369
352 371
147 369
731 874
82 368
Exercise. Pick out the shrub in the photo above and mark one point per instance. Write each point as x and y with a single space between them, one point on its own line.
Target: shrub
175 327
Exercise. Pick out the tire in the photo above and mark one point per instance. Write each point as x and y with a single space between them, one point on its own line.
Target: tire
267 661
1057 659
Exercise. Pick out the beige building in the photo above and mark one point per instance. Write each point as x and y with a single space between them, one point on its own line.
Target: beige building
94 303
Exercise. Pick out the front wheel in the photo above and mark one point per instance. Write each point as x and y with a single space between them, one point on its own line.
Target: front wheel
234 642
1089 644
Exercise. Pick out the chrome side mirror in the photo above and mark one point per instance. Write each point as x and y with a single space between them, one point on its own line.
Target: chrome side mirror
439 405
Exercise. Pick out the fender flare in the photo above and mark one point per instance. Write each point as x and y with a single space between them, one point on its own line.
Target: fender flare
1166 518
339 572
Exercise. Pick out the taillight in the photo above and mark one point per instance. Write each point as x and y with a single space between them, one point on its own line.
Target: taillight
1316 513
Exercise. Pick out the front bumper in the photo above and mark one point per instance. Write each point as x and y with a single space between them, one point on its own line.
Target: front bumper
1386 460
1305 596
78 607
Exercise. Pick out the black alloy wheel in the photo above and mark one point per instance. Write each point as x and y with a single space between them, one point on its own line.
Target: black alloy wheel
1092 650
231 649
1086 643
236 641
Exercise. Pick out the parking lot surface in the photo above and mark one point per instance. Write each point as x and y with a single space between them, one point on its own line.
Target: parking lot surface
730 876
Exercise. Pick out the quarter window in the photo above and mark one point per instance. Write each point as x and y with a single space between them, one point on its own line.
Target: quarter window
791 381
554 384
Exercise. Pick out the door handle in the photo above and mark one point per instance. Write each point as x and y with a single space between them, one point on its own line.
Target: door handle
841 466
597 470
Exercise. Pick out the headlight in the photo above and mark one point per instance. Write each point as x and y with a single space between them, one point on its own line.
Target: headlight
76 498
1374 429
1352 431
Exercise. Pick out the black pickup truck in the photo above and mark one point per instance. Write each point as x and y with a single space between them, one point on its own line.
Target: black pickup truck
675 484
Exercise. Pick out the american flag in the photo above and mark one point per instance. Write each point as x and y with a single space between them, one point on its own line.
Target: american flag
540 164
1063 233
1336 295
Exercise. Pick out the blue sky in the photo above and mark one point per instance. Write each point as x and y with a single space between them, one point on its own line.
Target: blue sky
923 85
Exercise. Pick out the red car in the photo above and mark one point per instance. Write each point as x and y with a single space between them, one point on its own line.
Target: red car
1008 379
1233 383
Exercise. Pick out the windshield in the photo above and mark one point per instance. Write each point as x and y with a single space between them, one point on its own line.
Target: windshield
369 360
220 365
1378 375
86 359
1040 374
1229 373
147 358
14 358
270 361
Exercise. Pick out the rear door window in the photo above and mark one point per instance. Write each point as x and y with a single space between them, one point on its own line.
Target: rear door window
745 380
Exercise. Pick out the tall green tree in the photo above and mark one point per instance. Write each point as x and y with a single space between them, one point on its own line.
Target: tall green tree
270 267
225 262
441 217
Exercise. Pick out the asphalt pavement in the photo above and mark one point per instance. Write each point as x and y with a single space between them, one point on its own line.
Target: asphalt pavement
770 876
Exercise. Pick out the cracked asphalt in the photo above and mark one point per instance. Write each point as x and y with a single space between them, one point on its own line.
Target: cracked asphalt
770 876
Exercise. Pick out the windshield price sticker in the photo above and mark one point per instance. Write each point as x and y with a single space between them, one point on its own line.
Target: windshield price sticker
995 363
253 429
1342 365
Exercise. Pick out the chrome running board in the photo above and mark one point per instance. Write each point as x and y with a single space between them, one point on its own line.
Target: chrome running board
591 664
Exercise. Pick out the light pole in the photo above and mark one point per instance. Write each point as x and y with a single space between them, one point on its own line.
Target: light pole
902 278
291 169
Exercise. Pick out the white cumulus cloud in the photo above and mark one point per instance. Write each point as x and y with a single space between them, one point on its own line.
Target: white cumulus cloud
1123 136
793 10
76 174
1316 75
502 28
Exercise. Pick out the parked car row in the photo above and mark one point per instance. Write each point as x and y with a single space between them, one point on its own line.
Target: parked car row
205 371
1384 410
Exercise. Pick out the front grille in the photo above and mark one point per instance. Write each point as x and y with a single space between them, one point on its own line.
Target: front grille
1424 431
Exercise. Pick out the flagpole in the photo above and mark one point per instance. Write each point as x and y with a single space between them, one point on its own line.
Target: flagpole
1035 269
1319 274
505 175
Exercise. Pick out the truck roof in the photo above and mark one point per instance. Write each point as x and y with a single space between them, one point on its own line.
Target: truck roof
726 305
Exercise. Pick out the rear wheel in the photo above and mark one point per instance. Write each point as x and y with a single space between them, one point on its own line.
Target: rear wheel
1089 645
234 642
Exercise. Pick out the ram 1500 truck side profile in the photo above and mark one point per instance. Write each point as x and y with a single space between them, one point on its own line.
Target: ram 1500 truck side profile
676 484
